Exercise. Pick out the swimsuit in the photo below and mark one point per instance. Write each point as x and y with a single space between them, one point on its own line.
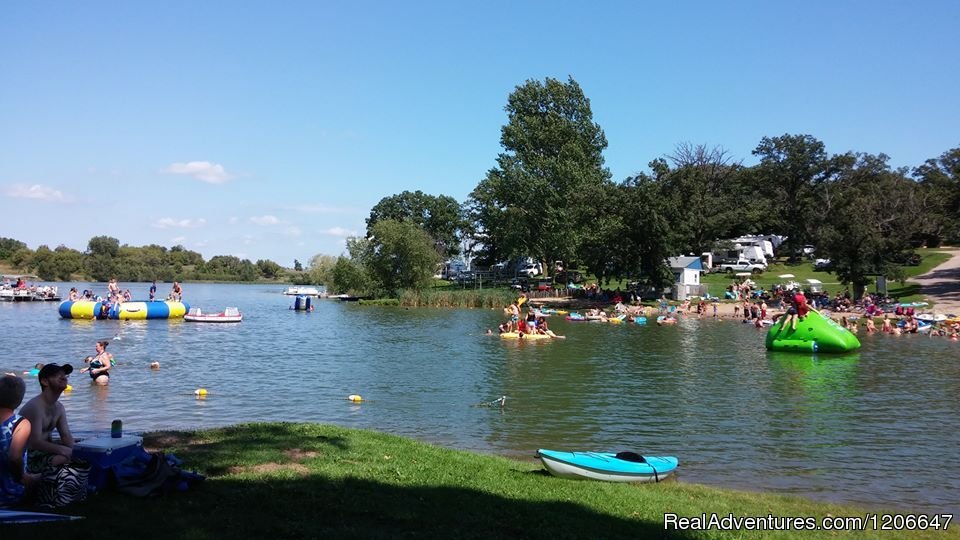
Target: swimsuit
97 364
11 491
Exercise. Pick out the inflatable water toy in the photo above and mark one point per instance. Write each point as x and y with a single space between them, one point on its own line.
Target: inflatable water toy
815 333
610 467
525 337
640 320
575 317
229 315
664 319
302 303
88 309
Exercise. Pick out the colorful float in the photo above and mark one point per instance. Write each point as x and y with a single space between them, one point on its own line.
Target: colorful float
302 303
525 337
815 333
88 309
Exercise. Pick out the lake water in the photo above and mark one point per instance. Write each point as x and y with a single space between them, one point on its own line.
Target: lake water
880 427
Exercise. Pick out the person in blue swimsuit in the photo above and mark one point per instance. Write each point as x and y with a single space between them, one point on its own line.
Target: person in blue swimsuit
153 290
14 434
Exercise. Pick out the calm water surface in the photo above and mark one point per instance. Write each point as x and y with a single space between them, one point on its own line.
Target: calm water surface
880 427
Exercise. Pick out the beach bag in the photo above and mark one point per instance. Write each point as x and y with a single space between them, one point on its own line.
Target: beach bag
158 474
64 485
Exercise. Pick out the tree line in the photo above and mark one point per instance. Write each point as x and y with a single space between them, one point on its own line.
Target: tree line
551 197
106 259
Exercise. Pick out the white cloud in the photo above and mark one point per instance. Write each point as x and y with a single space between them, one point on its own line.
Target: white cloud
166 223
211 173
339 231
292 230
322 209
265 220
36 191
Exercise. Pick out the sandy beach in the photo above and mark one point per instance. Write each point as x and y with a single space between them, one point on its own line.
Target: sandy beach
941 285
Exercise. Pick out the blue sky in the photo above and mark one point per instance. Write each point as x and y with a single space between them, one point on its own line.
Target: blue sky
269 129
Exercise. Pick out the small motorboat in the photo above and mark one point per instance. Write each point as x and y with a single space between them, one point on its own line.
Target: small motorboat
228 315
607 466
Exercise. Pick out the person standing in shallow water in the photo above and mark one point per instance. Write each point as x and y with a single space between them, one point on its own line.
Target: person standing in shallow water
99 368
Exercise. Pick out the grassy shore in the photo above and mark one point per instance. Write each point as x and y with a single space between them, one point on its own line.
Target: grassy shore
320 481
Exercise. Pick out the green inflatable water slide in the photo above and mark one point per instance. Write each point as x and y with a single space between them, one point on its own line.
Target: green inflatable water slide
815 333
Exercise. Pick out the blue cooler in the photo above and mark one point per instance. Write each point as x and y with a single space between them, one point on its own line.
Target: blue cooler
104 452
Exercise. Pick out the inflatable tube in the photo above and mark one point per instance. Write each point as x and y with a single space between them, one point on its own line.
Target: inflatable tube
86 309
526 337
640 320
815 333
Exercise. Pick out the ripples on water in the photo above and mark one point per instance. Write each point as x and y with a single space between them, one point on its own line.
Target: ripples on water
879 427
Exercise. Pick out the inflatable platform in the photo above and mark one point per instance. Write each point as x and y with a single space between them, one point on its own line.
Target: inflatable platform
815 333
88 309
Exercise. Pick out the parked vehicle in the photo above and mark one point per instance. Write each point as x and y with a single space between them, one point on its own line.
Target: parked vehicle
743 265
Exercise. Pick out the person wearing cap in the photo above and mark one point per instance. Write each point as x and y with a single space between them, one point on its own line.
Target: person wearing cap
46 413
14 433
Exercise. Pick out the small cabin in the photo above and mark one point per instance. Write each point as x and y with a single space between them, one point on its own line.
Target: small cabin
686 271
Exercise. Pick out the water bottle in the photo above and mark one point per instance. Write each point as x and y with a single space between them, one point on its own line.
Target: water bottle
116 429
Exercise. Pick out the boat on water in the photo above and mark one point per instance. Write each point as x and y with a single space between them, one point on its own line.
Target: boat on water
228 315
22 293
608 466
302 291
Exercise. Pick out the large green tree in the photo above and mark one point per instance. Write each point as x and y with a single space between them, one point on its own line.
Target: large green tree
8 246
939 180
535 202
867 221
440 216
101 255
321 266
706 195
791 169
401 255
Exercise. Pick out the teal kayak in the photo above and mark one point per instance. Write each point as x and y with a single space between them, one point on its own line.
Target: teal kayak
607 466
815 333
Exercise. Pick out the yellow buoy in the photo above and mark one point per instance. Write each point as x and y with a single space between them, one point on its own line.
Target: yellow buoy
69 388
200 391
354 398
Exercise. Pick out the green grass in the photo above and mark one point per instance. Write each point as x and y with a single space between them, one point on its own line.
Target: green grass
803 270
320 481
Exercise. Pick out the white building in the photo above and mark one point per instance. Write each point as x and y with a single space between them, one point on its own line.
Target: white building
687 272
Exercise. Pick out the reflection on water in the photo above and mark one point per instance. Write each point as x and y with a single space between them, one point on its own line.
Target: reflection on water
878 427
